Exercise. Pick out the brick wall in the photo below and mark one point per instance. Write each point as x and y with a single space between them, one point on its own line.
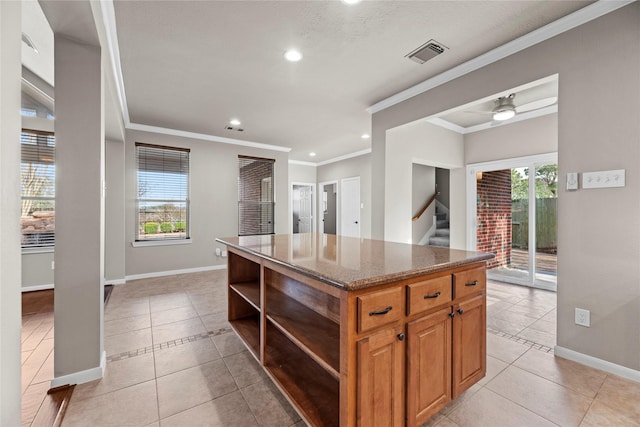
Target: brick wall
494 216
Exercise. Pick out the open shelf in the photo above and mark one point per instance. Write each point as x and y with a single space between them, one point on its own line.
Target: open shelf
315 334
249 330
312 390
250 291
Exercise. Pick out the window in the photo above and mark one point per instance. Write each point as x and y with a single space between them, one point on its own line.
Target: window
37 187
255 196
163 193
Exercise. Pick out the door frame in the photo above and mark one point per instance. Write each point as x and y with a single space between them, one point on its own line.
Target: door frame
321 186
472 195
313 203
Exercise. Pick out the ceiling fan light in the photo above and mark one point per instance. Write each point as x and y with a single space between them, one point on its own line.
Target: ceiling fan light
505 114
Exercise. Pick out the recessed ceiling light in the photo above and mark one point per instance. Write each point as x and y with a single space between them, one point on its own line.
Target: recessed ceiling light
293 55
312 154
351 1
234 122
365 136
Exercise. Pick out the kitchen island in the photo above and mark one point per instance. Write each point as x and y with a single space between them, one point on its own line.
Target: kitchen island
358 331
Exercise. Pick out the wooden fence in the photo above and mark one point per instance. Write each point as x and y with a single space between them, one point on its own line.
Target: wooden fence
546 224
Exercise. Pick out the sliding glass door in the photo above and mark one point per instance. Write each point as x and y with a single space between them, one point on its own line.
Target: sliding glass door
515 217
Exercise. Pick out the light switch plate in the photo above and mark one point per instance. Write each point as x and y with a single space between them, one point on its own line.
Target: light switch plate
603 179
572 181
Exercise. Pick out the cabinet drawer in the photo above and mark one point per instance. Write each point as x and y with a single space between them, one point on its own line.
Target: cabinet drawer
469 282
379 308
427 294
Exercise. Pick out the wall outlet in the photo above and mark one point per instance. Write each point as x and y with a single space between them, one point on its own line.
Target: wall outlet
218 251
224 254
53 265
583 317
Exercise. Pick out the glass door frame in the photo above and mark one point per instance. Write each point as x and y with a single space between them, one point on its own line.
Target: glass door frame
530 162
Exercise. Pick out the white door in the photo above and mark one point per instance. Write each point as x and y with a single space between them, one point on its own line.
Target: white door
350 207
302 208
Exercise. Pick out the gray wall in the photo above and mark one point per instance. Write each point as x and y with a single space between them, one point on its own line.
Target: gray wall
442 181
302 173
115 221
10 19
597 265
214 203
355 166
519 139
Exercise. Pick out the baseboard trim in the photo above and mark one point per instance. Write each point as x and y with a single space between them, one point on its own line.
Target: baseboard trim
115 281
594 362
37 288
82 376
174 272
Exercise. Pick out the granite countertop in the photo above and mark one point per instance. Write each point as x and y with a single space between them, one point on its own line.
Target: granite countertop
352 263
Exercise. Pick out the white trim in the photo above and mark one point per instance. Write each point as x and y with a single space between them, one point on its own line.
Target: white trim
168 242
321 186
594 362
82 376
206 137
566 23
174 272
35 92
109 22
300 162
438 121
44 250
345 157
115 282
37 288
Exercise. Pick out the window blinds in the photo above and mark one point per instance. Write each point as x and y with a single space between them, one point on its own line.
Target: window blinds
255 196
163 192
37 186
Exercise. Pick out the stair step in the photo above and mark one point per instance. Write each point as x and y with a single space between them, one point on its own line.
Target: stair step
443 223
439 241
443 232
441 216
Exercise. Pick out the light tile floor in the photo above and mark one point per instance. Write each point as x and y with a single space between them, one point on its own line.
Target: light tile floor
174 361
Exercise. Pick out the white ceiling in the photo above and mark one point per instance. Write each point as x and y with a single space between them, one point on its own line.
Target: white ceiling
194 65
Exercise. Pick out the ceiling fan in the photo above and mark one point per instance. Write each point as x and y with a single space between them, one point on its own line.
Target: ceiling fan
504 107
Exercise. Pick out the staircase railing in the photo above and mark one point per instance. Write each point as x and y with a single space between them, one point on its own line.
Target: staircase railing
425 207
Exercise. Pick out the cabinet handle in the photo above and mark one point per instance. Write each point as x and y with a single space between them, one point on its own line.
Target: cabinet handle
381 312
452 315
475 282
436 295
460 311
401 337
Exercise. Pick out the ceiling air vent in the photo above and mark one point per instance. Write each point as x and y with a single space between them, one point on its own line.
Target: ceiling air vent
427 51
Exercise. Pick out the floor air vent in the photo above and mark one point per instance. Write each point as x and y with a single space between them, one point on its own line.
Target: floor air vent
427 51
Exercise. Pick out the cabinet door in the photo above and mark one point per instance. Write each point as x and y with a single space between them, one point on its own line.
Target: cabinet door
428 366
469 343
381 379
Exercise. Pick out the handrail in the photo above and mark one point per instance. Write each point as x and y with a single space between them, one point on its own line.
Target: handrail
426 206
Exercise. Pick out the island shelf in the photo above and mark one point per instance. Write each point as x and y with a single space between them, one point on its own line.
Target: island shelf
375 331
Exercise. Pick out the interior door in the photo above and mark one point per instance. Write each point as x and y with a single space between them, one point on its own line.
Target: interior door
329 208
302 208
350 207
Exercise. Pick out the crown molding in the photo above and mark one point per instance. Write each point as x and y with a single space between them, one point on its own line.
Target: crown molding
300 162
345 157
206 137
566 23
446 124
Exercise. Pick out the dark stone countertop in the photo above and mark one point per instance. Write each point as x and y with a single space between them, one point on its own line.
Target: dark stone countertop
352 263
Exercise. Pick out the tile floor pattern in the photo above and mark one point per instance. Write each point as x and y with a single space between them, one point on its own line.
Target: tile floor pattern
174 361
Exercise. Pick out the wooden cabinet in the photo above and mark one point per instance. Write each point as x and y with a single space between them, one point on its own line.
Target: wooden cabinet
469 343
388 355
381 379
428 365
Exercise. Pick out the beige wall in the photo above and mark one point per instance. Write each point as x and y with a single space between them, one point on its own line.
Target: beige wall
214 203
519 139
599 230
423 184
355 166
115 220
422 143
10 13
